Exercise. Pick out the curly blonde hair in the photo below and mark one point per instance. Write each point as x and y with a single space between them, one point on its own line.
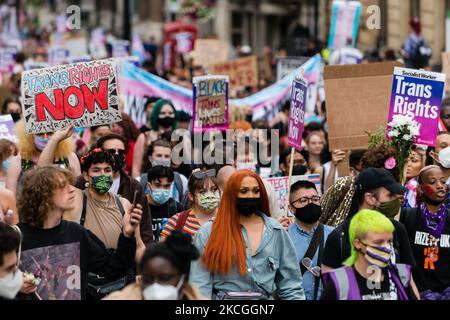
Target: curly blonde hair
35 198
27 149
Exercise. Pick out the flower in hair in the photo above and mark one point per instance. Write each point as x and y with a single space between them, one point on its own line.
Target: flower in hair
390 163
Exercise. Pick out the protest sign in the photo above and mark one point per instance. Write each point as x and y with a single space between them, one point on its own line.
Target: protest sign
243 72
7 128
57 55
78 59
297 113
344 24
418 94
97 43
286 65
280 187
77 46
210 51
120 48
357 101
7 55
82 94
210 111
33 65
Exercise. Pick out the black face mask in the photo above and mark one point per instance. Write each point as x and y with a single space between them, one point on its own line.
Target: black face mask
247 206
299 170
119 162
166 122
15 116
308 214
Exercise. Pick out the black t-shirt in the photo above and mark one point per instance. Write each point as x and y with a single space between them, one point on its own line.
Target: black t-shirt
62 256
386 290
334 256
432 271
162 213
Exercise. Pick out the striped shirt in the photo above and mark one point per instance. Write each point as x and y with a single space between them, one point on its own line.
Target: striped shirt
191 226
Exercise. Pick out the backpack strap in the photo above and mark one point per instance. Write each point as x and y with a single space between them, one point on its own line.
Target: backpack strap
83 209
119 204
312 248
182 218
178 184
143 181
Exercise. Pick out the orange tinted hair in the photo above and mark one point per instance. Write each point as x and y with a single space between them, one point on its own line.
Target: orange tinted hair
226 245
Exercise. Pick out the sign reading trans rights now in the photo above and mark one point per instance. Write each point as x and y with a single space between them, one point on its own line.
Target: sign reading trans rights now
418 94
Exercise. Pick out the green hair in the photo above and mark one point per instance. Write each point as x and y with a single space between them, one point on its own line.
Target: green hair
157 109
364 221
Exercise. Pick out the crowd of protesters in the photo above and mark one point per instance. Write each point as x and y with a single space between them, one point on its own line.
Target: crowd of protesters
138 226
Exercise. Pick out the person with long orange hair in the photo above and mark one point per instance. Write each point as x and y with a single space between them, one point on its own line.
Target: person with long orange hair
245 252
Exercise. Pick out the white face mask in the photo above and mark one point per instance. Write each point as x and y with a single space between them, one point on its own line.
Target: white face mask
10 285
158 291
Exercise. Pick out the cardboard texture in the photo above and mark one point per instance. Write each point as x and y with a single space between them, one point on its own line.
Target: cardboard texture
210 51
357 101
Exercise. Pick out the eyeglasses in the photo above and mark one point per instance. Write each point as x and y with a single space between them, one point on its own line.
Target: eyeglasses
122 152
305 200
300 162
445 116
307 263
200 174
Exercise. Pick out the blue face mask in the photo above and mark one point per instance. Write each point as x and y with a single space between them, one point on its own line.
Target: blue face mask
160 196
5 164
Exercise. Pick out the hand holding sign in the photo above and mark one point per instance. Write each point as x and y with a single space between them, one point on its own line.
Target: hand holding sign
63 134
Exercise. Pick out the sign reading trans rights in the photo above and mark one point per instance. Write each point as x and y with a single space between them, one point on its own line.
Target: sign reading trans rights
418 94
83 94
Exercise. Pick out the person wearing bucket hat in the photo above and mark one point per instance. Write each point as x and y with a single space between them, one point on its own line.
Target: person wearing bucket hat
376 189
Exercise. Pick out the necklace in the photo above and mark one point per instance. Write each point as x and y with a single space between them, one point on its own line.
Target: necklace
434 222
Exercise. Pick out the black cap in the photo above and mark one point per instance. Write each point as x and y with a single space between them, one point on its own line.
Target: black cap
373 178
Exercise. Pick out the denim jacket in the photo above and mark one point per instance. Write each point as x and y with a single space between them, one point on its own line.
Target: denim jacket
274 266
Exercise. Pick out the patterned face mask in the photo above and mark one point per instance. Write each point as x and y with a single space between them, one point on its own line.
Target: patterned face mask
209 200
378 255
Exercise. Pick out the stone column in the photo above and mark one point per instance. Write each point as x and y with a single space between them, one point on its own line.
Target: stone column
397 23
432 18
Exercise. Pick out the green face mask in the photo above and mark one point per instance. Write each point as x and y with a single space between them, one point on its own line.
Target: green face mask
102 184
390 208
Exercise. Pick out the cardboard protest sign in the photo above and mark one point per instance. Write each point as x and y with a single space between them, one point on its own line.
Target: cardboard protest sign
210 51
210 111
7 128
120 48
243 72
57 55
418 94
344 24
286 65
7 55
82 94
357 101
446 69
297 112
280 186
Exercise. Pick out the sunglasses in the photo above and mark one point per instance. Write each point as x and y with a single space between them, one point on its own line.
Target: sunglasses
200 174
307 263
119 151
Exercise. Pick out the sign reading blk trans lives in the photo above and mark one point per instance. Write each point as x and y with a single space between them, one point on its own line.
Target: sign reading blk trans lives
297 113
418 94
